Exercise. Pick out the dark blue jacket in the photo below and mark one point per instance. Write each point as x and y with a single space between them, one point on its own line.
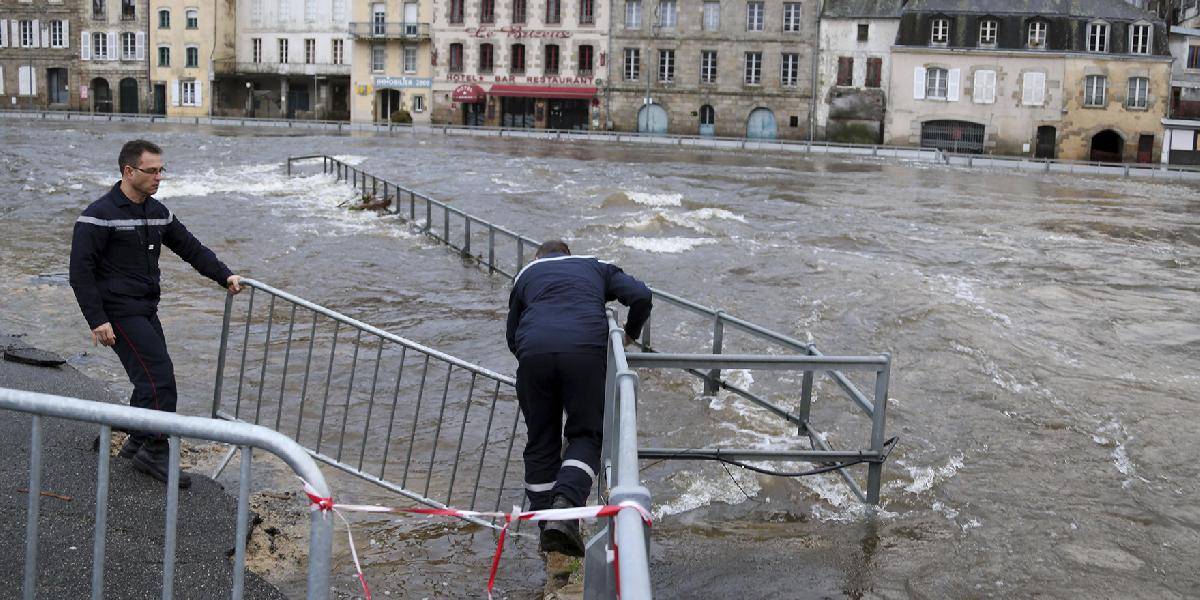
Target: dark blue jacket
557 305
114 256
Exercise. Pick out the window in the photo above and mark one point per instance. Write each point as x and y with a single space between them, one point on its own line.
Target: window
845 72
456 58
456 11
256 10
164 56
987 32
708 116
1193 59
191 57
789 69
518 11
585 60
192 16
128 10
339 11
98 8
712 16
100 46
550 59
378 57
57 37
1037 34
310 51
864 32
190 93
418 103
791 16
553 11
633 64
666 66
256 44
128 46
753 68
936 83
283 50
487 58
1094 88
337 51
516 58
874 72
1139 38
1097 37
410 59
708 66
668 16
310 11
587 11
1033 89
939 32
633 14
487 11
26 31
164 19
1139 89
984 90
754 16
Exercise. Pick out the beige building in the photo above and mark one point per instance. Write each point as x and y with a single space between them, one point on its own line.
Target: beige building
1114 108
186 38
391 60
113 73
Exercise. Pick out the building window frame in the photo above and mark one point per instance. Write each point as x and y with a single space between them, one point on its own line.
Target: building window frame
632 64
1095 91
281 47
1138 93
1098 35
752 68
410 59
487 11
164 18
456 11
1141 38
25 31
310 51
755 15
937 83
989 30
378 57
792 17
939 31
874 74
128 41
487 58
516 58
789 69
553 12
518 11
708 66
668 14
337 51
191 18
711 20
256 50
845 71
587 12
550 59
1036 34
864 33
587 60
666 65
633 14
128 10
455 62
164 56
191 56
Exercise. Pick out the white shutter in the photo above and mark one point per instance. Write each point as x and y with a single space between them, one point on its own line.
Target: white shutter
85 46
32 82
984 90
174 92
112 46
3 33
46 37
140 46
919 83
37 33
16 35
953 85
1 80
23 81
66 34
1033 89
199 101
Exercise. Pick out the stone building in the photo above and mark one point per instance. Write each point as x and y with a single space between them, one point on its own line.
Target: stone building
187 37
39 62
1181 127
855 68
391 60
517 63
714 67
1082 79
113 68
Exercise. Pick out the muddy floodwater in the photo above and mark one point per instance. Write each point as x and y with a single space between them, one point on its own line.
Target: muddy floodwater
1044 335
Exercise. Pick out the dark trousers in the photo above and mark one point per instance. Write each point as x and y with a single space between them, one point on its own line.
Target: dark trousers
142 348
548 384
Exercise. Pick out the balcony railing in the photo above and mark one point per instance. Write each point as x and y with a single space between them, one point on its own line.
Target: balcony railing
390 31
231 67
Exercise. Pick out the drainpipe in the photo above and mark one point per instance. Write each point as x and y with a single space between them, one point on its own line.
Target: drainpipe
149 69
608 64
815 51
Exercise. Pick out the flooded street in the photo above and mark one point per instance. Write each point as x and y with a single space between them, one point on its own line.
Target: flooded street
1044 334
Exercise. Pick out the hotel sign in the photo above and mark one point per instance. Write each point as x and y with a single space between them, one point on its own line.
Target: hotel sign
403 82
517 32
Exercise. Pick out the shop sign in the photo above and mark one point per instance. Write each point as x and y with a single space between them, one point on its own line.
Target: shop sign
517 32
402 82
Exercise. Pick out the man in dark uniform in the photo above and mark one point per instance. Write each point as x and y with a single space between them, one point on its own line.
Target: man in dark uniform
558 330
115 276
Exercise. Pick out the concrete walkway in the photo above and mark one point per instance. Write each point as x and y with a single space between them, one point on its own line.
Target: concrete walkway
136 515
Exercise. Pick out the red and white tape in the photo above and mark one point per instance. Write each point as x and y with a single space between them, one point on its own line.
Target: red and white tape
323 504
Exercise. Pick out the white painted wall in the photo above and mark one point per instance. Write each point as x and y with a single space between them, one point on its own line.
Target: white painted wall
839 37
323 20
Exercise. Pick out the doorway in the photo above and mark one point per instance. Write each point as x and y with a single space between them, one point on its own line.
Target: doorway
517 112
160 99
1145 148
652 118
1107 146
473 114
761 124
387 102
56 86
1046 140
708 120
567 114
129 95
101 96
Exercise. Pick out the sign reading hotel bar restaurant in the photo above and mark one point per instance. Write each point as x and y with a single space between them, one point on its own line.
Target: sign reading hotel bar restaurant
397 83
538 79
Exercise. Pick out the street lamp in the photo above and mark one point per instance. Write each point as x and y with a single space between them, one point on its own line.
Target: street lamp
249 99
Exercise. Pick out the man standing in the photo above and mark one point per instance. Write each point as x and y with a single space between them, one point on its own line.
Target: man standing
115 276
558 330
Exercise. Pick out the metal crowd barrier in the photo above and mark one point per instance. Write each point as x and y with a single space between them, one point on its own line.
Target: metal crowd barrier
426 425
108 416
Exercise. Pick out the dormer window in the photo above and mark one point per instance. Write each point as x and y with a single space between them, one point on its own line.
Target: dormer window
1037 34
1097 37
987 32
939 34
1139 38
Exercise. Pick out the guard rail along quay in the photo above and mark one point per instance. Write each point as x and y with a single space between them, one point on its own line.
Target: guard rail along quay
109 416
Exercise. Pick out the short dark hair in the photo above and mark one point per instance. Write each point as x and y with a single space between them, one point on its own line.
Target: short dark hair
551 247
131 153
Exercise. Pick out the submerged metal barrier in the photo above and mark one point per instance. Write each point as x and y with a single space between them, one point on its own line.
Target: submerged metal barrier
109 416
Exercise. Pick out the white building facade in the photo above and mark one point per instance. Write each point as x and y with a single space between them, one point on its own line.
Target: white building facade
1181 127
855 68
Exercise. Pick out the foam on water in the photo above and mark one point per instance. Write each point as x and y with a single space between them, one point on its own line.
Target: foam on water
666 245
924 478
702 491
1113 434
649 199
963 290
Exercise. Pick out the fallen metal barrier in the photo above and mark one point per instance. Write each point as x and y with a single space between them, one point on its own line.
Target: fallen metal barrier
243 436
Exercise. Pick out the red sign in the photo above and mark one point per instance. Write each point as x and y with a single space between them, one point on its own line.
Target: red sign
468 94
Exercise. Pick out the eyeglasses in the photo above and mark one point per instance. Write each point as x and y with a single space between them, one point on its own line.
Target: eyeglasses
151 172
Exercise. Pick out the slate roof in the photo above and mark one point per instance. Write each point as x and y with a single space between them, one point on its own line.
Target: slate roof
1104 9
860 9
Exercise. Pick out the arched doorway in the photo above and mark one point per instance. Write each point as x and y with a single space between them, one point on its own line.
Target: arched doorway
129 95
1107 146
652 118
101 95
708 120
761 124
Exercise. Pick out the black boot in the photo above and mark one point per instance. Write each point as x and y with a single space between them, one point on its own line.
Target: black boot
153 459
130 448
562 537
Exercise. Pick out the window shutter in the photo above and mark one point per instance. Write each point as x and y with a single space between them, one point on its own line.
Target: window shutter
140 46
112 46
1033 89
3 33
174 92
16 33
85 46
66 34
199 100
23 81
984 90
32 82
37 33
2 77
919 83
953 84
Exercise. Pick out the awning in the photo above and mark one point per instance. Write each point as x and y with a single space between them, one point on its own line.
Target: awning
538 91
468 94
